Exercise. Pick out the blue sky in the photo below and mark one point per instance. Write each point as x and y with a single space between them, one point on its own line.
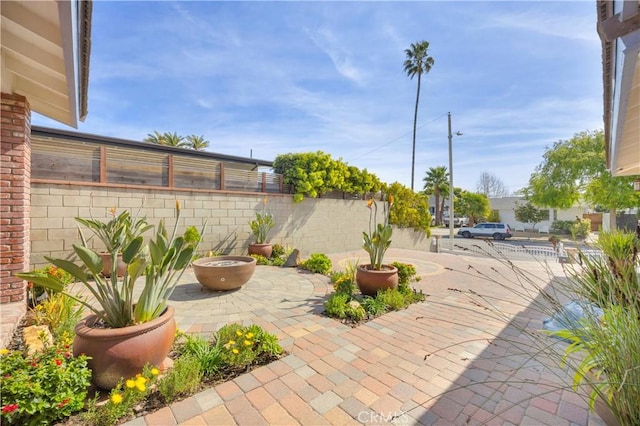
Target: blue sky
278 77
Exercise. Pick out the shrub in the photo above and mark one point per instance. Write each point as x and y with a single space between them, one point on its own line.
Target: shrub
406 273
373 306
336 305
183 379
393 299
494 216
240 346
278 261
42 388
260 259
36 291
580 230
122 399
208 354
60 313
317 263
355 311
278 250
562 226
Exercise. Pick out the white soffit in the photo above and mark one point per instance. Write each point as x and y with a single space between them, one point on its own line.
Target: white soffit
37 56
628 158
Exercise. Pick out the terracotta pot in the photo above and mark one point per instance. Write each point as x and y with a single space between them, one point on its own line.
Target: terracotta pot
107 265
371 281
118 353
221 273
262 249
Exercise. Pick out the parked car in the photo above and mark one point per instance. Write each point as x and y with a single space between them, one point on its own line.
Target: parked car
457 220
495 230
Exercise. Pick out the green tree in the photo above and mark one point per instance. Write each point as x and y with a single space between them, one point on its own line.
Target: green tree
173 139
198 143
473 205
155 137
575 169
436 183
410 209
418 62
528 213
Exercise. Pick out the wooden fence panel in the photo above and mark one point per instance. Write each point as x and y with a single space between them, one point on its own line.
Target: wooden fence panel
65 161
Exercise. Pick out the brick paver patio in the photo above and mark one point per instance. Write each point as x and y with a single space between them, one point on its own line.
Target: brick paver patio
445 361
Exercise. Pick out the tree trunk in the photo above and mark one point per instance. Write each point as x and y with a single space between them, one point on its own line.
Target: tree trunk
612 220
436 195
415 122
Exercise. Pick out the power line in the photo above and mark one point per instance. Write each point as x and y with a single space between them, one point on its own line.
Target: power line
398 138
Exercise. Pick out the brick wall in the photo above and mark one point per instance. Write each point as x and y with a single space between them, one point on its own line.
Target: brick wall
312 226
15 172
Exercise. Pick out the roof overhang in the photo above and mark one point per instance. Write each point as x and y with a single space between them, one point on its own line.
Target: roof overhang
45 55
619 30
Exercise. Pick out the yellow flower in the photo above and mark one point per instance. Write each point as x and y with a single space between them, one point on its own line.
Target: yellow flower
390 199
116 398
4 351
264 201
112 211
247 343
370 202
249 335
239 333
130 383
231 342
140 384
155 371
178 205
235 351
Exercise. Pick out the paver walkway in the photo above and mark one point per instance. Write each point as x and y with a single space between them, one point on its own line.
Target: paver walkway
445 361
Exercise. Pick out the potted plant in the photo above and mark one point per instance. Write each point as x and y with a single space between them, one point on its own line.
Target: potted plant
121 335
260 227
376 275
115 234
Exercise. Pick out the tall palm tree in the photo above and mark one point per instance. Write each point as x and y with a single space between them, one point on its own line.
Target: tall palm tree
197 143
436 182
155 137
418 62
173 139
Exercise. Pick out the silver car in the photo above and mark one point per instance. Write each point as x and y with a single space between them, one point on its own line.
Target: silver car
495 230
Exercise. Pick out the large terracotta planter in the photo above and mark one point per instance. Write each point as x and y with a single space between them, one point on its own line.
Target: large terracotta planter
222 273
107 264
118 353
371 281
262 249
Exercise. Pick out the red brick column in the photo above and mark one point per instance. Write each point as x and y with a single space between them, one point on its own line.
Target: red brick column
15 195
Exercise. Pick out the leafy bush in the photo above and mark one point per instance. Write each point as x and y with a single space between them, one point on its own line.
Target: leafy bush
260 259
277 250
580 230
494 216
406 273
60 313
393 299
122 399
562 226
208 354
336 305
278 261
410 209
373 306
36 291
183 379
42 388
317 263
355 311
240 345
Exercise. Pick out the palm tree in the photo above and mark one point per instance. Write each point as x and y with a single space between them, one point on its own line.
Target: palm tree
197 143
155 137
418 61
436 182
173 139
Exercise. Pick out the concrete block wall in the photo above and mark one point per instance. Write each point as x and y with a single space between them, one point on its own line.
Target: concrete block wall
312 226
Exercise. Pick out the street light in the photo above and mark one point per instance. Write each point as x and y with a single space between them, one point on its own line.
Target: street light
451 181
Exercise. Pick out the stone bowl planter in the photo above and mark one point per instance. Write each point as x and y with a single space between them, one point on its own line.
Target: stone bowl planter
222 273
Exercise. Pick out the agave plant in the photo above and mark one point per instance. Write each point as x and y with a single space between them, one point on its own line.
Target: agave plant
162 262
